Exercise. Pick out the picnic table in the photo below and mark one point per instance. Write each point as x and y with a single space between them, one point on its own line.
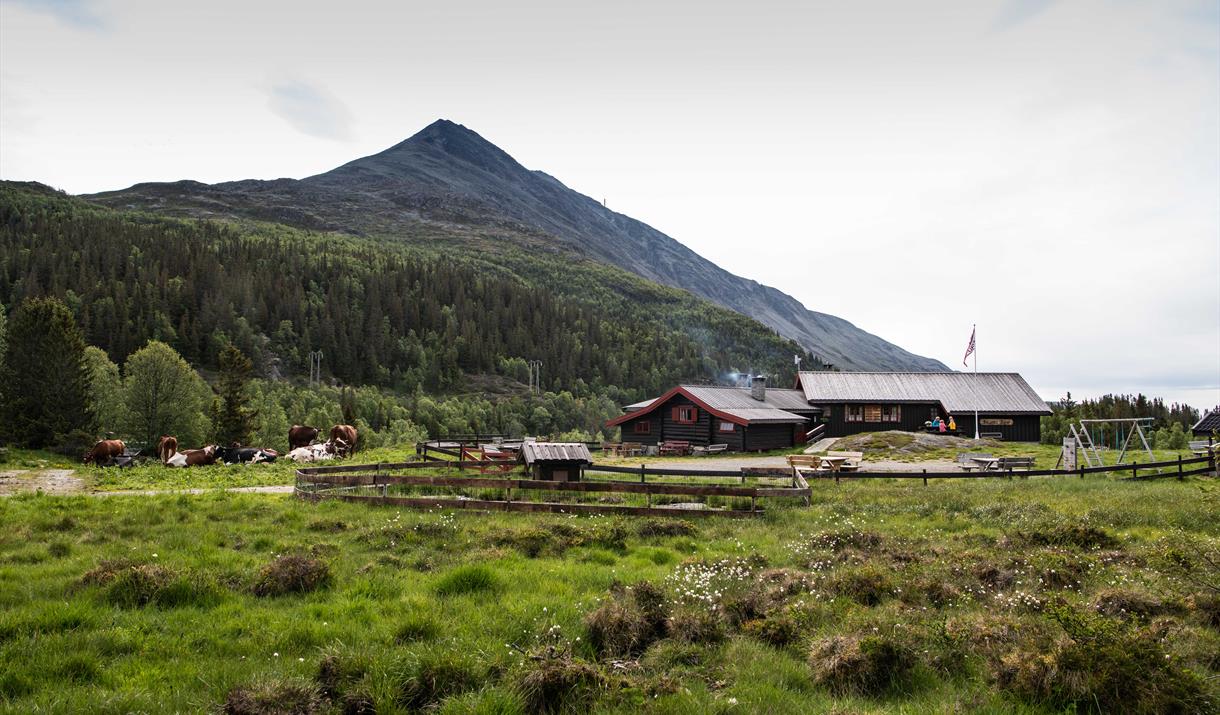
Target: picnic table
834 464
986 464
675 447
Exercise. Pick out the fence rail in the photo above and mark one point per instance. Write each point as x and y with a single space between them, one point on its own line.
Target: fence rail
339 482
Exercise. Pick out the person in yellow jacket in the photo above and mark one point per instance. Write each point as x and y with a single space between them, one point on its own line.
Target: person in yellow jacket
952 424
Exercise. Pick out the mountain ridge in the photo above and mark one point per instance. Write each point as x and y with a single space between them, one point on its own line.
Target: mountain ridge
449 174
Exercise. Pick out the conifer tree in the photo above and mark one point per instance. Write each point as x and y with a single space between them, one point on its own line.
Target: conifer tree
235 418
44 380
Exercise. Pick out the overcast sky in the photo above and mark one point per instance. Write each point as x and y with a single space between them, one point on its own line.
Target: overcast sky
1049 170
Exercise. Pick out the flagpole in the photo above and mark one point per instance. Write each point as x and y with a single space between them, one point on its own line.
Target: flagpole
974 332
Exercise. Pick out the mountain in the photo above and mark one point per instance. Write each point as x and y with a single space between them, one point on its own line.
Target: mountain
448 185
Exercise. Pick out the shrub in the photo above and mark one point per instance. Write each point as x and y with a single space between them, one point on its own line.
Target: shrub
559 684
428 679
468 579
292 573
867 665
631 620
650 528
275 698
1099 665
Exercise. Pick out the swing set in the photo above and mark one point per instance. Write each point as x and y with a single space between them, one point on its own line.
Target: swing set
1125 428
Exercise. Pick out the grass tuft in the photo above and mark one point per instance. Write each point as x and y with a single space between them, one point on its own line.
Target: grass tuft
868 665
629 621
469 579
289 697
292 573
555 685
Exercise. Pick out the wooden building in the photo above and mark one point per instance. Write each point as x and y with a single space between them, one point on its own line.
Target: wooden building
1208 424
556 461
751 419
853 402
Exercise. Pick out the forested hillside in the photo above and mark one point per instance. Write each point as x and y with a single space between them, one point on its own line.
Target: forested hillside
381 314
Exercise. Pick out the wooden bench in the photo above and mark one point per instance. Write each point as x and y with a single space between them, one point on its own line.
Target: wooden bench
966 460
611 449
992 435
852 460
674 447
1201 448
710 449
1007 463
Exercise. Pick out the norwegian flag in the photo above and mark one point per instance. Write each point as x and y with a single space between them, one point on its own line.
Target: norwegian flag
969 348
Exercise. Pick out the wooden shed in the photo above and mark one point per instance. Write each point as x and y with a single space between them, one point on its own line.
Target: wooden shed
556 461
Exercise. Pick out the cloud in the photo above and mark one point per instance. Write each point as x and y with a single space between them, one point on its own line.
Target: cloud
1016 12
310 109
77 13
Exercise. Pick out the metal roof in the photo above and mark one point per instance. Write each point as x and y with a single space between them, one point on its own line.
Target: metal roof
960 392
1208 422
733 399
556 452
638 405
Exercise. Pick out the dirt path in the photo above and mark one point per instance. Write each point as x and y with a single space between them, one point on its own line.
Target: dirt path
65 481
50 481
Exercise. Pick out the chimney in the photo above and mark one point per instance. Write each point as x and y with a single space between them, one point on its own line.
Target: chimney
758 388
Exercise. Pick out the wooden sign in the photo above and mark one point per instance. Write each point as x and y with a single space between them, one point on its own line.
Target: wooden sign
996 422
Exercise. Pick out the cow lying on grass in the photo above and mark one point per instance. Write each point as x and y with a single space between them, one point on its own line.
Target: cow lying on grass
238 454
318 452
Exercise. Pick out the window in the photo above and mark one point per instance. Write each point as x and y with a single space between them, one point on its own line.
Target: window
872 413
643 427
727 426
853 413
686 415
891 413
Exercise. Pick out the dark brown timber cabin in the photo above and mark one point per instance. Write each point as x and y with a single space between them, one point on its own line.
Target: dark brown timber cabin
1207 424
753 419
556 461
854 402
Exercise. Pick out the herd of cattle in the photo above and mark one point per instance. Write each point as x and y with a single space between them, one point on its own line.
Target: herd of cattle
303 446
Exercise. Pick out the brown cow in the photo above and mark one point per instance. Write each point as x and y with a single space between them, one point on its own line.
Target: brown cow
104 451
344 437
167 446
193 457
301 436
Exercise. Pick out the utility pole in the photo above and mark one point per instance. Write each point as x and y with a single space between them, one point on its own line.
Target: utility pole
315 367
535 367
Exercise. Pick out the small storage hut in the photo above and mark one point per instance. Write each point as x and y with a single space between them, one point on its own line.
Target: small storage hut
556 461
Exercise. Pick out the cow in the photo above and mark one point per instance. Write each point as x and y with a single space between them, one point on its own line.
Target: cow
167 446
314 452
301 436
193 457
105 451
238 454
345 434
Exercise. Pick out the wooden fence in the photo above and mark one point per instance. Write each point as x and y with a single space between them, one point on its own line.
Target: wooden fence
372 483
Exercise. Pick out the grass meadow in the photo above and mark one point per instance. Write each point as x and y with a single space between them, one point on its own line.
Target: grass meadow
1031 596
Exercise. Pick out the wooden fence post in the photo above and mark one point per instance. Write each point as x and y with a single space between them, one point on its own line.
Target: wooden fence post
925 477
1134 469
1180 477
641 474
1081 466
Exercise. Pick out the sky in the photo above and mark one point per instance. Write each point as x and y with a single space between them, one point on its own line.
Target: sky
1049 170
